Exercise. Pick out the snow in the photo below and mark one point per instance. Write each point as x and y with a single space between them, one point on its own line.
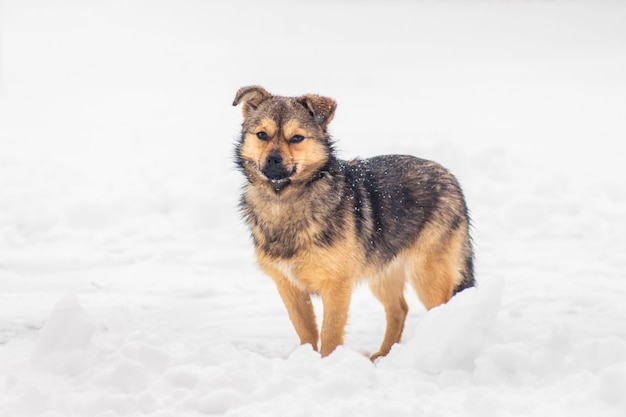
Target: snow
127 280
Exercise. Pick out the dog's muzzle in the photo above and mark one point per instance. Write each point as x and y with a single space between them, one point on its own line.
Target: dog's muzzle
274 169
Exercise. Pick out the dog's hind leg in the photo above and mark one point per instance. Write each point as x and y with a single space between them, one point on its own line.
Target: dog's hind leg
437 266
389 290
433 280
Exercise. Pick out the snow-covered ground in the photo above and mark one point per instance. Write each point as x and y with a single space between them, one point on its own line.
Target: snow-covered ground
127 281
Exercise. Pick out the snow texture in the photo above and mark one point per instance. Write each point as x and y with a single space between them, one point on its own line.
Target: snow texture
127 280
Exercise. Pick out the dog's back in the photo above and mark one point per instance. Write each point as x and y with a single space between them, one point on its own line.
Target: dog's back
396 197
401 201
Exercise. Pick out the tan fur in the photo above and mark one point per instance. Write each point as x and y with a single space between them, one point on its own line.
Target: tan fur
429 266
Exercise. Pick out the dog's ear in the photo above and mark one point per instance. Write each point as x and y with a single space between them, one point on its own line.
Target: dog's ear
251 96
321 108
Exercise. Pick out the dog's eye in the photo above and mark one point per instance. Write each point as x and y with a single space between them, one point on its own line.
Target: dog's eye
262 135
296 139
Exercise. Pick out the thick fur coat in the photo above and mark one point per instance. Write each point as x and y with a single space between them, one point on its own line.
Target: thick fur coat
321 224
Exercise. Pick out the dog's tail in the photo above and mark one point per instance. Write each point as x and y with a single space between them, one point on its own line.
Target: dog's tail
468 274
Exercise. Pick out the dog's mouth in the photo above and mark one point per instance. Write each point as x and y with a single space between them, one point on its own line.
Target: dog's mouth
279 184
280 180
278 175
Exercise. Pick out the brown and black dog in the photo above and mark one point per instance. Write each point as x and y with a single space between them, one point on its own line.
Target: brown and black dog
321 224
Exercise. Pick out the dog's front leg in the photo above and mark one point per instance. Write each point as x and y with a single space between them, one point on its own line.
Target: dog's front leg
336 301
300 310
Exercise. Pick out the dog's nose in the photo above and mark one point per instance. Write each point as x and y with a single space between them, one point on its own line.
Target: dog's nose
274 168
273 160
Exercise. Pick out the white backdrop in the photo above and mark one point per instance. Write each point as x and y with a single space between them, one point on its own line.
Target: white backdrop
127 282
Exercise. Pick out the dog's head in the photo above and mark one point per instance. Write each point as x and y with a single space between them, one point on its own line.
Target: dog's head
284 140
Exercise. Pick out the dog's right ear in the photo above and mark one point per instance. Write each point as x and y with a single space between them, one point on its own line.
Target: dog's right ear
251 97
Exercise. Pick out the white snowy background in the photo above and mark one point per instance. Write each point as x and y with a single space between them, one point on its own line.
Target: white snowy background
127 280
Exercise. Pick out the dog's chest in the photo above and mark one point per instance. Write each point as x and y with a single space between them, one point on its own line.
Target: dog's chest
294 224
280 230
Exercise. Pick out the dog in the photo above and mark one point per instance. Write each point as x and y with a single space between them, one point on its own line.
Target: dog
320 224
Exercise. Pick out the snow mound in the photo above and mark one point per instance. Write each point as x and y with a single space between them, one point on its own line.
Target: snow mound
452 335
65 337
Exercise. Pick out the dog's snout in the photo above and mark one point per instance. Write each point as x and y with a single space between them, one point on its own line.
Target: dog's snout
274 169
273 159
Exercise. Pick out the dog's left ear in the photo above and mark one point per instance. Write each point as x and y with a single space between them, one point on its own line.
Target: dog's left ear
251 96
321 108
